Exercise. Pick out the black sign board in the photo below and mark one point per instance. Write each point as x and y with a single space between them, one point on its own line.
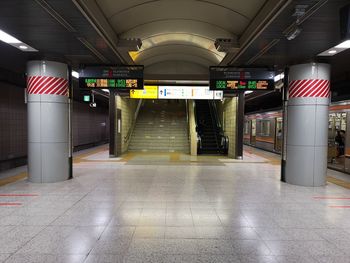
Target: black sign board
241 79
111 77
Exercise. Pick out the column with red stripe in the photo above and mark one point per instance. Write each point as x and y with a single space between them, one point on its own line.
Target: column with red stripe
48 109
307 124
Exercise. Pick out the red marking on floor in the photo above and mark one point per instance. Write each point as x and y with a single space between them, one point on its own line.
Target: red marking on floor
10 204
17 195
339 206
331 198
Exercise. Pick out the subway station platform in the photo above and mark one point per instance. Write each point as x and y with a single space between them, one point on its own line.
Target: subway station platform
149 207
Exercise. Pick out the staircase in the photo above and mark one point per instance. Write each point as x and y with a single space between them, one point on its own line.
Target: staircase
206 128
161 127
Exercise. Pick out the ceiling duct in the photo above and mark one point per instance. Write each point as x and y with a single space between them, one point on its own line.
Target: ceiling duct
226 45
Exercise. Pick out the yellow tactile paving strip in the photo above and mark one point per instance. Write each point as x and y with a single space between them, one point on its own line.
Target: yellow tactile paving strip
338 182
173 158
13 179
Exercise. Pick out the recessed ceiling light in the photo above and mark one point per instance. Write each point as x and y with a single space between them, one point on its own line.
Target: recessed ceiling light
332 51
23 47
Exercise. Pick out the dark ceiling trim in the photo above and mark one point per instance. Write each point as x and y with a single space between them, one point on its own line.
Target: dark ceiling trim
56 16
89 46
263 51
309 12
270 11
84 8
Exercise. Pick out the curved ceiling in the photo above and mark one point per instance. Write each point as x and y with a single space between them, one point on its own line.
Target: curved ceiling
179 31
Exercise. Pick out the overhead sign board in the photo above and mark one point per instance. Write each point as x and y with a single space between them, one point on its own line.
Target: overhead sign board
110 77
187 92
149 92
241 79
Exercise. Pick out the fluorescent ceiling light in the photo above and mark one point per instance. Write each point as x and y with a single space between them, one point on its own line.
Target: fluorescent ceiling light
337 49
7 38
345 44
75 74
279 77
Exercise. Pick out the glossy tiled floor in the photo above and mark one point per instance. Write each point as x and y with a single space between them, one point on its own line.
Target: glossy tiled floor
138 209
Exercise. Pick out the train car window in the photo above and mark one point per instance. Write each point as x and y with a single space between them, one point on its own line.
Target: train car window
253 128
246 127
265 127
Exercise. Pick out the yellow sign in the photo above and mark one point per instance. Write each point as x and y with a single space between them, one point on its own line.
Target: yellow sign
149 92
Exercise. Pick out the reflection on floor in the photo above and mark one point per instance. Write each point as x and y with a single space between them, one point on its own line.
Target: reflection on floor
121 210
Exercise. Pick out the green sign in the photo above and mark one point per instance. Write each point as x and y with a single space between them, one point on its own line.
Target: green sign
111 77
87 98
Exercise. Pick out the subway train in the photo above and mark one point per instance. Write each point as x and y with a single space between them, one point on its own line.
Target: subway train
264 130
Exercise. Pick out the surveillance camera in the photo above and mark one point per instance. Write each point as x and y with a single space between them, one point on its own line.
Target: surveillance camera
293 33
93 104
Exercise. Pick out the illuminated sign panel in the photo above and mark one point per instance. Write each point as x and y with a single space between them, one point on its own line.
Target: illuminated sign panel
149 92
109 77
239 79
184 92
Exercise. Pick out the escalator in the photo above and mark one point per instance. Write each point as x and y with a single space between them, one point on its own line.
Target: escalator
212 139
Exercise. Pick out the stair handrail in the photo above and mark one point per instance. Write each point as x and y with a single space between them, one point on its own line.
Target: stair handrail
133 122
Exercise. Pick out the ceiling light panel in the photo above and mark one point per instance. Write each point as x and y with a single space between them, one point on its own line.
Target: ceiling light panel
336 49
8 39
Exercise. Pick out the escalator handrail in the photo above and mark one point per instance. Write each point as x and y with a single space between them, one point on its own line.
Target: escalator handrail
220 135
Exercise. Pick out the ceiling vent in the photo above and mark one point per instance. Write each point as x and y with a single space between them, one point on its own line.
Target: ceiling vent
226 45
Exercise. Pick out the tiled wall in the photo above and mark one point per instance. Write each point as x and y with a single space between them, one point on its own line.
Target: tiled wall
13 122
229 109
90 125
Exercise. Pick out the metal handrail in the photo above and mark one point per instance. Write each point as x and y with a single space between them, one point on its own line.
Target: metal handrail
199 138
220 135
133 122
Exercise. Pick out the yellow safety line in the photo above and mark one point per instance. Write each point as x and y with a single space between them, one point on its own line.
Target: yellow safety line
13 179
174 157
80 157
338 182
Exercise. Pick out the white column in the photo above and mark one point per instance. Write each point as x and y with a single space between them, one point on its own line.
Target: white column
307 124
48 137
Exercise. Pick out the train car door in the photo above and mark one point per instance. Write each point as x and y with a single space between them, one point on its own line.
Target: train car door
253 132
278 134
246 138
337 138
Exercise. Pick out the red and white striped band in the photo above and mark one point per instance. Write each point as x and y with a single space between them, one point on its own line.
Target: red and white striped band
47 85
309 88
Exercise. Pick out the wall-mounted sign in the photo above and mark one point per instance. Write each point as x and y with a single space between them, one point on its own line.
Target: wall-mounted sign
187 92
149 92
241 79
86 98
110 77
